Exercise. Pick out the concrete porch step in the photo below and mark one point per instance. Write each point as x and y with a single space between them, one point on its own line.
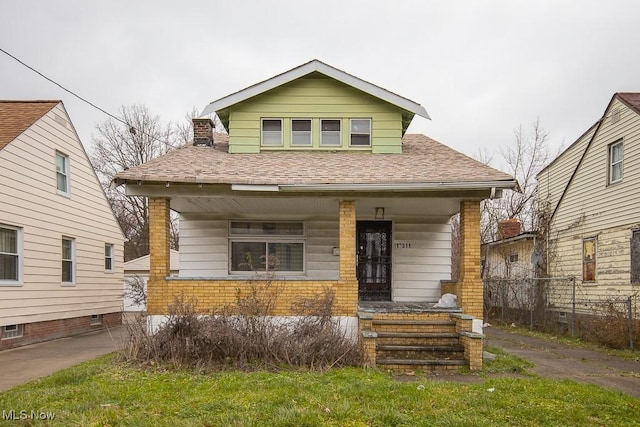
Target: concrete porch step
427 335
430 348
396 322
421 362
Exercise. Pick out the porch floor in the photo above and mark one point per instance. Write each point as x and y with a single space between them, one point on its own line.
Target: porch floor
403 307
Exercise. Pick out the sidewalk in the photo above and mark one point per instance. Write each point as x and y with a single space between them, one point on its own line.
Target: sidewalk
560 361
23 364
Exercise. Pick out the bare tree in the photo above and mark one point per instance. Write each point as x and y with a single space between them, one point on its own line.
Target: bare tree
523 159
118 146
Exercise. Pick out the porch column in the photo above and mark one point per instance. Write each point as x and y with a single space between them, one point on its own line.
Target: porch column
470 291
159 258
347 240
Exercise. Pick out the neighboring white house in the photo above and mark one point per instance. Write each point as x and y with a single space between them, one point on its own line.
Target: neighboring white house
60 244
592 192
138 269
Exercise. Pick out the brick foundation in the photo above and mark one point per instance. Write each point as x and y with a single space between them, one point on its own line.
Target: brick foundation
45 331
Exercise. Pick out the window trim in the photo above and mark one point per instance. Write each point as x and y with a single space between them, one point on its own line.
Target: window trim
339 144
72 260
66 174
310 143
351 133
611 164
108 257
19 249
262 131
19 330
594 261
267 239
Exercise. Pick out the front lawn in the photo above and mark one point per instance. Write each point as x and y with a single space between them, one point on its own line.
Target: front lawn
107 393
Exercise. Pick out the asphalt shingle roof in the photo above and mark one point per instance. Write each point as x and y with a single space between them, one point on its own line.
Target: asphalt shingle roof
17 116
423 160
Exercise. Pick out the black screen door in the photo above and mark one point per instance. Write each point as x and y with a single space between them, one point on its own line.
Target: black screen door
374 260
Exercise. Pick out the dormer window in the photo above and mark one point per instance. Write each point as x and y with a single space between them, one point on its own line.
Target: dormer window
330 132
301 132
360 132
272 132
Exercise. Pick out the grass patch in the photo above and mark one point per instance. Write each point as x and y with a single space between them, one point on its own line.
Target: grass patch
107 393
505 363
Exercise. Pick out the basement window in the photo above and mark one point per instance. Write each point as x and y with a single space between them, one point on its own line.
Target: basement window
260 246
96 319
12 331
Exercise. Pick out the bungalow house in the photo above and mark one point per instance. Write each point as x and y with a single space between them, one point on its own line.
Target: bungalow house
591 192
60 245
319 184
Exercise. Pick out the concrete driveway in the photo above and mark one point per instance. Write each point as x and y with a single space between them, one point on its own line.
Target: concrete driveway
23 364
560 361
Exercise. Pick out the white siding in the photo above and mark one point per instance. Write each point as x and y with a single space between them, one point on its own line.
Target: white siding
30 201
498 264
421 259
417 270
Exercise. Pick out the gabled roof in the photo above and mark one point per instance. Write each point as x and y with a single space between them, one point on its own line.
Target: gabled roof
18 116
424 163
142 264
308 68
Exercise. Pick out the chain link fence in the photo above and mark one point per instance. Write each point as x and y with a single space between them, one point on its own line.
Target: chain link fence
562 305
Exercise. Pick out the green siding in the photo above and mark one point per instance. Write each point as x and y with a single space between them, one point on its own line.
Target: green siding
315 97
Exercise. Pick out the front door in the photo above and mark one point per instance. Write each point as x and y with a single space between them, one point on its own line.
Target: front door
373 245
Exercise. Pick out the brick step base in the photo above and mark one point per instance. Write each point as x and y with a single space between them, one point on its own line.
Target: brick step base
421 362
427 335
433 348
397 322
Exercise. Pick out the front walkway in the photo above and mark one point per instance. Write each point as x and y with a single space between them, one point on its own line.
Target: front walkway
560 361
23 364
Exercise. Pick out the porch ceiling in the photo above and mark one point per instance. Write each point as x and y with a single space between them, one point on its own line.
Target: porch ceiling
320 206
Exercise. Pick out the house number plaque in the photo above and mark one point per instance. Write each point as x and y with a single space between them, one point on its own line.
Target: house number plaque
403 245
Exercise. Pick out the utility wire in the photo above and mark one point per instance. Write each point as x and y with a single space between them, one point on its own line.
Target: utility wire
65 89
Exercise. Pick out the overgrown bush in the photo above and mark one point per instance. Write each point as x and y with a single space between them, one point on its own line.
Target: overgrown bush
246 336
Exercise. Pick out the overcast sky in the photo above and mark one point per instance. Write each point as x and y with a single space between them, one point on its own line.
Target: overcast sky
480 68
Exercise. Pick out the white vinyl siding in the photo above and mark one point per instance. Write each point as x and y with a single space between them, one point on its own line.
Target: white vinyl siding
10 255
30 202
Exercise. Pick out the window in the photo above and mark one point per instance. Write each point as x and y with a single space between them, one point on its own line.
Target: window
360 132
271 131
108 257
300 132
330 132
635 257
62 173
68 256
96 319
12 331
616 154
266 246
513 258
10 249
589 260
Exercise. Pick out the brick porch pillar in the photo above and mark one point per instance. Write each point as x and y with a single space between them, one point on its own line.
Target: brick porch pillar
348 292
470 290
159 258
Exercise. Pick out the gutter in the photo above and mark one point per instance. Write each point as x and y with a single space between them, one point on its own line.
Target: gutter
477 185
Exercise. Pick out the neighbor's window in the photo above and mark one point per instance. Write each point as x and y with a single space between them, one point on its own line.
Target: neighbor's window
9 255
513 258
68 256
12 331
589 260
108 257
616 154
62 173
300 132
266 246
272 132
635 257
360 132
330 132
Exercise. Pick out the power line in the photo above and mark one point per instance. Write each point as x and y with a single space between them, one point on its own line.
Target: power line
67 90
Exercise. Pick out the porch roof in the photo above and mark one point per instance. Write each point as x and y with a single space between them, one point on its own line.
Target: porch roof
423 161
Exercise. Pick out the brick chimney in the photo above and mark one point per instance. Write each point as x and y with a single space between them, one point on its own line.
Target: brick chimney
203 132
508 228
